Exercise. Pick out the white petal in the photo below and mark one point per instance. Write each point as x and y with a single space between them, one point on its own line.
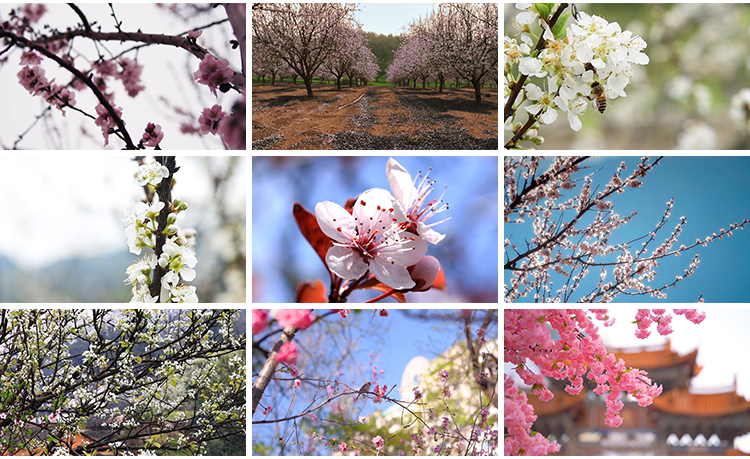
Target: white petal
331 217
400 180
429 234
345 263
404 254
394 276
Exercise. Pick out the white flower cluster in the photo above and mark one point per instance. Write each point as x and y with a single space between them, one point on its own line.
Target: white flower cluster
177 257
590 52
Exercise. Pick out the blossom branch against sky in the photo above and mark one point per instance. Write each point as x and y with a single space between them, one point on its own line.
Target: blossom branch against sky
158 61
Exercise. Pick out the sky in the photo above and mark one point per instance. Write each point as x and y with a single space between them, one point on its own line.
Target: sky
282 257
718 339
391 18
167 73
712 192
57 207
394 341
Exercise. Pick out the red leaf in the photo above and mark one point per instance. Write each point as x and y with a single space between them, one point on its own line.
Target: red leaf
309 227
311 293
377 285
440 281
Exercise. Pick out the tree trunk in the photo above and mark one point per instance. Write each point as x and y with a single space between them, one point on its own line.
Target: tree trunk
338 83
308 86
477 91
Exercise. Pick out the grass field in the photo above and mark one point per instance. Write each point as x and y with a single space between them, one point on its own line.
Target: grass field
380 81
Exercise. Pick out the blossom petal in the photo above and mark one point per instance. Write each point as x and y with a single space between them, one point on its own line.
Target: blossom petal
345 263
335 221
394 276
429 234
405 253
400 181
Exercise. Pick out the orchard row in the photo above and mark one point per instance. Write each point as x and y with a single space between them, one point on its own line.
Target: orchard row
457 41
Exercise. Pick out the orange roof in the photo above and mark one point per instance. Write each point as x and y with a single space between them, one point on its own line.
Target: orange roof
561 402
649 360
680 401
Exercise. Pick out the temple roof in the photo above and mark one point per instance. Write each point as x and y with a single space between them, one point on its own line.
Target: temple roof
680 401
662 358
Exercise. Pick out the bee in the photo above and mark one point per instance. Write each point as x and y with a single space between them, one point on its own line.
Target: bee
597 95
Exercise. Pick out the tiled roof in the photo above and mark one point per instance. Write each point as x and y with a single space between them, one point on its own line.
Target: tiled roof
680 401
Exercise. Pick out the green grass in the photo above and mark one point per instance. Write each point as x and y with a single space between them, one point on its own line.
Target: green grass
379 81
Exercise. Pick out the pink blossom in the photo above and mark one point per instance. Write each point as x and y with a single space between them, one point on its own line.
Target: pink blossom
288 354
131 76
213 72
233 128
33 11
572 356
32 78
195 33
260 319
209 119
152 136
106 122
106 68
30 58
300 318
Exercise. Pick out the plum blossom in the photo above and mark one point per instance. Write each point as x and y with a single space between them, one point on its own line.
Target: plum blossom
209 119
413 197
374 236
131 76
32 79
151 173
213 72
105 121
233 128
152 136
195 33
30 58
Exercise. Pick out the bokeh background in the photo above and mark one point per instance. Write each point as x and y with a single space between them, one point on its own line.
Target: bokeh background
282 258
62 226
699 60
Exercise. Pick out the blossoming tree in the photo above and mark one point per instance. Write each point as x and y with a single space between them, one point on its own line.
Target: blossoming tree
451 411
456 37
571 234
574 57
88 88
145 381
528 340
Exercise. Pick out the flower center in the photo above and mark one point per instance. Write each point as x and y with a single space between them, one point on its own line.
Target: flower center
419 209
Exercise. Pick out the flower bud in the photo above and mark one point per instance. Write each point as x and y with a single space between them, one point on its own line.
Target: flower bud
171 218
424 273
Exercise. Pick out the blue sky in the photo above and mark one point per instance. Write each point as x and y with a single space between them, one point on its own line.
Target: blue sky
282 258
391 18
717 338
712 192
394 340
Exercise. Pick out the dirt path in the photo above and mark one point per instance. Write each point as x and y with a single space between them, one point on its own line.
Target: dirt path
372 118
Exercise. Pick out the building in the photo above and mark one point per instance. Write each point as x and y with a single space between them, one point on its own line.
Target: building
678 422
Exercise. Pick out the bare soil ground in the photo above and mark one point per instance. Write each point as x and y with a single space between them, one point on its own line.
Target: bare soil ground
385 118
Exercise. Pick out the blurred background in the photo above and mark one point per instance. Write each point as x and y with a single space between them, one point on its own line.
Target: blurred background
62 236
687 97
172 96
282 258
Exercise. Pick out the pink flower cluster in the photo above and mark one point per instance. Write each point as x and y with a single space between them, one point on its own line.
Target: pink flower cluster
213 72
300 318
152 136
33 79
233 128
573 356
209 119
131 76
106 122
645 318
